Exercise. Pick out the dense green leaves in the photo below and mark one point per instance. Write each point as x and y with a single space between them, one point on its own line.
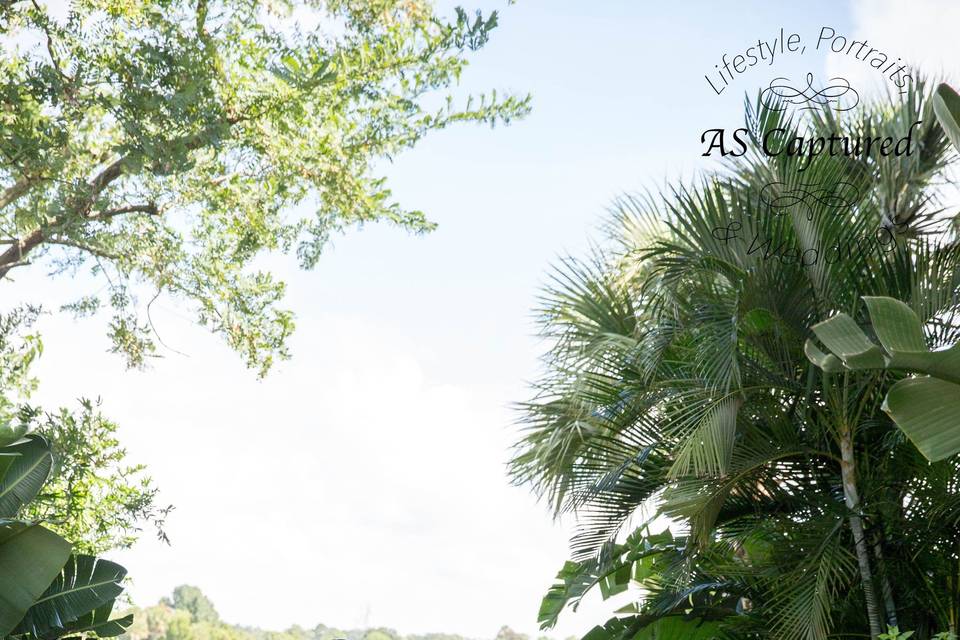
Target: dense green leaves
191 599
94 497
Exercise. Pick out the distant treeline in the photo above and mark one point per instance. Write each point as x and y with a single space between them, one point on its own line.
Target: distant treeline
190 615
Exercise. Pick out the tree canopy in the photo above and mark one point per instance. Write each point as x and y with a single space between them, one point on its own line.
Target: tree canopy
191 599
165 145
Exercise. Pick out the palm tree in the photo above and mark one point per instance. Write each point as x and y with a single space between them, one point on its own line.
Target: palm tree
677 386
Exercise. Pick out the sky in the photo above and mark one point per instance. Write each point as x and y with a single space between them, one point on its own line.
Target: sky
363 482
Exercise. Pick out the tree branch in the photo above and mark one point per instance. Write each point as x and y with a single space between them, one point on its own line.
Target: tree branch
13 257
150 208
54 59
13 192
96 186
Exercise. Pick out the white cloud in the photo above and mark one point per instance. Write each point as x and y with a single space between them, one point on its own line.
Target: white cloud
921 32
348 488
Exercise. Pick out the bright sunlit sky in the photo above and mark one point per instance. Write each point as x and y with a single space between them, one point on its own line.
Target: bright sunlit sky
363 482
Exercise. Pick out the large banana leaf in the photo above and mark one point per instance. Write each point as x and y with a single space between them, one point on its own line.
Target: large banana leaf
946 104
85 584
97 622
926 408
30 558
25 475
928 411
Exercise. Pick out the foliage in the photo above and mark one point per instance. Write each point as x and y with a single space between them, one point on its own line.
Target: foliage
93 497
169 144
677 388
20 346
894 633
46 591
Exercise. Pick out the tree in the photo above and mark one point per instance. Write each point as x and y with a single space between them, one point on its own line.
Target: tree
191 599
677 386
167 145
506 633
93 497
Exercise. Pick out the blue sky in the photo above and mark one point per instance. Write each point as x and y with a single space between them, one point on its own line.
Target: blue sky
363 482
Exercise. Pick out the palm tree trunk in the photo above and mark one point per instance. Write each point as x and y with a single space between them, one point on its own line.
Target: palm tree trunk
888 602
852 499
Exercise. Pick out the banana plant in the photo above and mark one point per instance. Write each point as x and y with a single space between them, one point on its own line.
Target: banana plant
644 560
46 591
925 406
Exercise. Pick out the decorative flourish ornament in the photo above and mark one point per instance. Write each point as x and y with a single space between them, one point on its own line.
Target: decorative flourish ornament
781 95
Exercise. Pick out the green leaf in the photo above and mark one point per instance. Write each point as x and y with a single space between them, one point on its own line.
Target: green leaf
616 582
826 361
841 335
25 475
98 622
85 584
706 450
901 333
927 409
897 327
574 579
946 104
30 558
